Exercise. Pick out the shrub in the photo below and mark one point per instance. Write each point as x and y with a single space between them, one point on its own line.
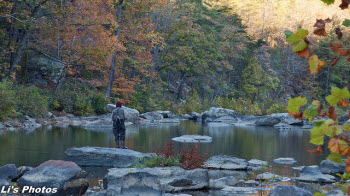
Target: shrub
82 106
187 157
193 104
98 103
8 101
30 102
276 108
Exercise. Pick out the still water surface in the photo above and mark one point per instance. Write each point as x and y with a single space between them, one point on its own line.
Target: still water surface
34 148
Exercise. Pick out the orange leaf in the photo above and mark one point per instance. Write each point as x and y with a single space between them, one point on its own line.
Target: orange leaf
344 4
334 61
320 26
317 151
337 47
331 113
296 115
347 166
335 145
343 103
305 52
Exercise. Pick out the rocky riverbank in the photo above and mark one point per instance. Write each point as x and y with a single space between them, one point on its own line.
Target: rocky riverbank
213 116
220 175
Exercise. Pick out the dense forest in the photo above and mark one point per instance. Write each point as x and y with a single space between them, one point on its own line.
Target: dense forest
74 56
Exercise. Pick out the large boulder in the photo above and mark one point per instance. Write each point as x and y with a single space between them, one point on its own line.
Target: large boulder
226 162
217 113
132 115
172 179
330 167
49 72
288 190
156 115
104 157
166 114
8 172
268 121
65 176
313 174
193 139
29 124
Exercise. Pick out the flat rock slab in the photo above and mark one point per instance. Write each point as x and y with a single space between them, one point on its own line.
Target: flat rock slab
330 167
193 139
172 179
104 157
226 162
285 160
313 174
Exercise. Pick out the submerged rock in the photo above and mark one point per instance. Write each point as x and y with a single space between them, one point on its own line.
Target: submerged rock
271 177
193 139
104 157
285 160
172 179
226 162
56 174
239 190
288 190
255 164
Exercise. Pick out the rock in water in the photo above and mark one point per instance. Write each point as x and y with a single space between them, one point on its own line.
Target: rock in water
104 157
226 162
288 190
8 171
193 139
285 160
63 175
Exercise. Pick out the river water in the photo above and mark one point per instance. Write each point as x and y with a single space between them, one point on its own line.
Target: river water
36 147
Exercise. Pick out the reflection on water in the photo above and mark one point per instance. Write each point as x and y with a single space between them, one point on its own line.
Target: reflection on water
262 143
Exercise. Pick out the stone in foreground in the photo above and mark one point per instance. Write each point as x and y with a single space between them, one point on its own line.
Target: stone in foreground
138 183
226 162
288 190
104 157
330 167
222 182
313 174
193 139
66 176
172 179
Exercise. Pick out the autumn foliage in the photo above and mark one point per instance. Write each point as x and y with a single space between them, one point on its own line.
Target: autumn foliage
339 144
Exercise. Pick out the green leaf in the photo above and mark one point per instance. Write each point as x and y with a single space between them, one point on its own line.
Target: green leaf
312 110
292 39
288 33
318 123
319 194
332 100
299 46
317 136
346 176
302 33
295 104
346 22
346 127
328 2
337 94
335 158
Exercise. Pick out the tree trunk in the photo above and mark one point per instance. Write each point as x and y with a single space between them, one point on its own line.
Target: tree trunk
182 83
19 52
115 52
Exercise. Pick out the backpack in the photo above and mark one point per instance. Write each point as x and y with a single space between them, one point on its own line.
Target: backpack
117 119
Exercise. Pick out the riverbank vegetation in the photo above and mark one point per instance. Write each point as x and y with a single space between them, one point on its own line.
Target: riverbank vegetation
182 55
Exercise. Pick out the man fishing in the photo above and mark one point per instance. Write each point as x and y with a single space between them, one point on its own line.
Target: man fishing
118 119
